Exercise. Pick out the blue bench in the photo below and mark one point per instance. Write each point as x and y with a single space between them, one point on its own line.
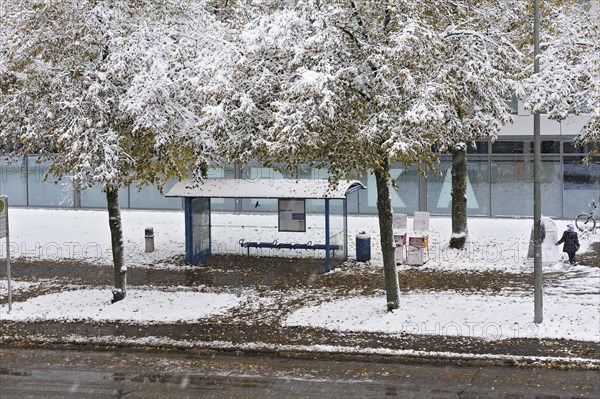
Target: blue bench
277 245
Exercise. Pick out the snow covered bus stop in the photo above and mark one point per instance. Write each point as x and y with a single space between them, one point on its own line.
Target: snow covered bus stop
288 218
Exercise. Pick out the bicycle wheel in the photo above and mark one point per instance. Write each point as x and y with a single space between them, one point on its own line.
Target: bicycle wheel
585 222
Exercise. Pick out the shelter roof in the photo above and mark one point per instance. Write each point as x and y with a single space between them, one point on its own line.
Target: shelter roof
264 188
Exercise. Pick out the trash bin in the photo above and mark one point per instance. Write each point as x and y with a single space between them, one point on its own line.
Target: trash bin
417 252
400 243
363 246
149 237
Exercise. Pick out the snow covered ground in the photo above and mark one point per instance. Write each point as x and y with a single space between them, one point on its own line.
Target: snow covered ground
571 308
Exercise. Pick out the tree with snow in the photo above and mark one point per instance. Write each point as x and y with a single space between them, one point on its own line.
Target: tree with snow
60 101
569 78
355 86
75 89
477 64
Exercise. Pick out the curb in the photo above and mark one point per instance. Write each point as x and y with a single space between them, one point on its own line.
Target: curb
304 351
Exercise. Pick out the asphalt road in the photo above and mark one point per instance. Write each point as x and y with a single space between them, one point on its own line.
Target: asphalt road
59 373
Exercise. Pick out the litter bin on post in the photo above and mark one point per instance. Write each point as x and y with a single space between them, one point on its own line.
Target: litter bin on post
149 238
399 224
417 252
400 242
363 246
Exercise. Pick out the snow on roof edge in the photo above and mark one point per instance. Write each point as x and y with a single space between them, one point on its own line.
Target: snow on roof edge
264 188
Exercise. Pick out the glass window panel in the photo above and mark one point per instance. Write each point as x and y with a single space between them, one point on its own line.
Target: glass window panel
481 147
550 147
405 198
439 188
53 192
257 171
219 173
13 181
581 183
149 197
512 147
478 188
94 197
223 204
439 199
551 186
569 147
511 186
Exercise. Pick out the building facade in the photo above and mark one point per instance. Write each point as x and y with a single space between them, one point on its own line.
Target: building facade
500 180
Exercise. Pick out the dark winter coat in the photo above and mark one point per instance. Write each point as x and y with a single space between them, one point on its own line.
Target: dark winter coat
571 241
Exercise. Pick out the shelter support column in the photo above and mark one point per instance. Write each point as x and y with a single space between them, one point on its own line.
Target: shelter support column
327 238
189 243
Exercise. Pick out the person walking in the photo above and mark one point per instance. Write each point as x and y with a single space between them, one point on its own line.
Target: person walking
571 243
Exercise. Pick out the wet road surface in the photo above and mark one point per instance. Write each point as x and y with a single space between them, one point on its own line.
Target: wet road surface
126 373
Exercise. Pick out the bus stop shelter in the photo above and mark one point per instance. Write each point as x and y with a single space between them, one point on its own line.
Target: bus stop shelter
292 230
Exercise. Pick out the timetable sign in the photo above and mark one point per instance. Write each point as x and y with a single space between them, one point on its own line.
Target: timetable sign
3 216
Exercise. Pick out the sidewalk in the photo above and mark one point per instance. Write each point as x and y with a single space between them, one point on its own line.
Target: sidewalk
450 311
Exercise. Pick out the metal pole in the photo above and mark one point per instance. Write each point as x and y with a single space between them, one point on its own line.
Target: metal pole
8 277
537 164
327 238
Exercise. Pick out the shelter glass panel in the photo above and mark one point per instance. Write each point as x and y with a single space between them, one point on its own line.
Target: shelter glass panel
200 225
259 205
338 231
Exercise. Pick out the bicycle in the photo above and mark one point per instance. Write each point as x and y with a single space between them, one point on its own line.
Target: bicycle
587 221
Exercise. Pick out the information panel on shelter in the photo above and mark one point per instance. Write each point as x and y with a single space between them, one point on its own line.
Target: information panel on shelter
292 215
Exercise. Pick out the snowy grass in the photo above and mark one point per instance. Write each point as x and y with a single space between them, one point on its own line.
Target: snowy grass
451 314
139 306
571 306
498 244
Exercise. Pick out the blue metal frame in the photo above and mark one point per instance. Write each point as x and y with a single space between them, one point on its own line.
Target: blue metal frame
195 258
327 238
190 256
345 229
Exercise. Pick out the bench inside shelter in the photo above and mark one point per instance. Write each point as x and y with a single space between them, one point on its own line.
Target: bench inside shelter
279 245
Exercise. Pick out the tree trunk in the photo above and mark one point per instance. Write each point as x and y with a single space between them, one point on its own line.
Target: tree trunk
116 233
385 212
459 197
